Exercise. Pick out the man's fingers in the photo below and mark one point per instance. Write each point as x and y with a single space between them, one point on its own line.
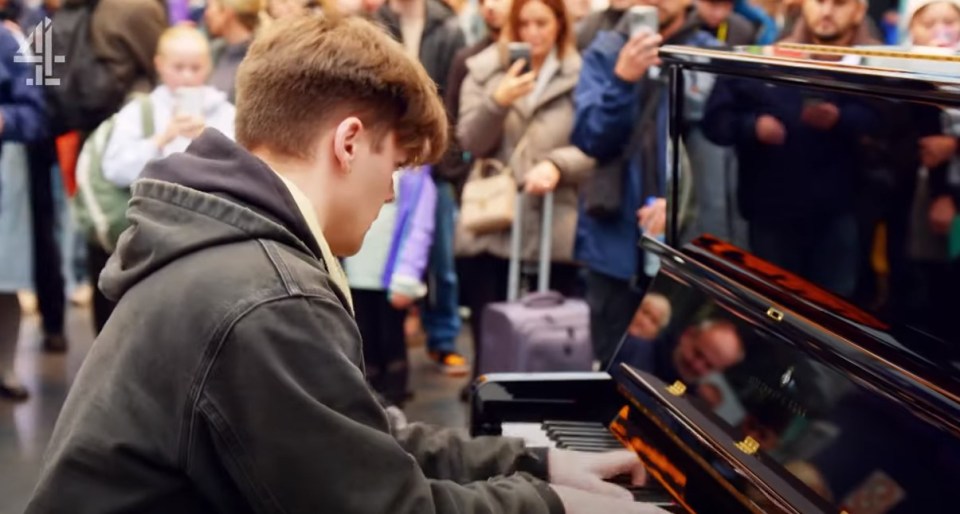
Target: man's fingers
639 475
608 489
617 462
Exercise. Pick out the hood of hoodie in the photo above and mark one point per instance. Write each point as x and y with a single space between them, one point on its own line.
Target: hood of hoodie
213 194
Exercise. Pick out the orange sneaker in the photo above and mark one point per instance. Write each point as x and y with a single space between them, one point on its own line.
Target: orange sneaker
450 363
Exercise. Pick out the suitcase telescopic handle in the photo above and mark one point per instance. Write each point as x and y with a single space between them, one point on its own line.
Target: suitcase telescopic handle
546 240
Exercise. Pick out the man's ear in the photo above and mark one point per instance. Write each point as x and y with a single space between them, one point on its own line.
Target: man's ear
345 141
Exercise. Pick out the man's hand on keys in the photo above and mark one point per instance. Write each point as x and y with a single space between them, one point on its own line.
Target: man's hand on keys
578 478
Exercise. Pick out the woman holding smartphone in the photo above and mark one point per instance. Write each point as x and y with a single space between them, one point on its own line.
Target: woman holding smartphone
520 112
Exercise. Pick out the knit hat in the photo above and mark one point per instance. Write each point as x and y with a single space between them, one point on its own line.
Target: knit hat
914 6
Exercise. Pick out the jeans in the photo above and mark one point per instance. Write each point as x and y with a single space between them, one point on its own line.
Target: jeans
441 317
613 303
823 251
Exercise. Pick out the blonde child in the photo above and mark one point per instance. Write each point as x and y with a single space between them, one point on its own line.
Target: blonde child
183 106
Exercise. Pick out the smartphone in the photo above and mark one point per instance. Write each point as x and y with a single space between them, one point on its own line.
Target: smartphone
517 51
643 19
189 100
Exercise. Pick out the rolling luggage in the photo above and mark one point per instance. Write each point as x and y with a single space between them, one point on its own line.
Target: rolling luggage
541 331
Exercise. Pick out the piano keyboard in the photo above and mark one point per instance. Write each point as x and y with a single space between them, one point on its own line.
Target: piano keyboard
566 435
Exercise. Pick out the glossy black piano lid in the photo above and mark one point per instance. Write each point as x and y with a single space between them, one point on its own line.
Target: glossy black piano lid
811 403
833 337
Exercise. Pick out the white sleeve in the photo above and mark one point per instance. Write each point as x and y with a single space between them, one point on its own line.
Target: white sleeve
223 119
128 151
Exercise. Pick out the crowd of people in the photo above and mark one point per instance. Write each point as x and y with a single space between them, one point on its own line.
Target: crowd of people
214 216
584 119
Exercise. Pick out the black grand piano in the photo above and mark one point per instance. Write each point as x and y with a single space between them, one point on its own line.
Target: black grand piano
766 381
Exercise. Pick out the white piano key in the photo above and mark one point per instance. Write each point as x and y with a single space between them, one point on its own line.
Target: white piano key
532 434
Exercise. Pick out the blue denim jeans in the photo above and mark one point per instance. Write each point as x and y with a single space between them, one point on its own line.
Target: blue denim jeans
441 317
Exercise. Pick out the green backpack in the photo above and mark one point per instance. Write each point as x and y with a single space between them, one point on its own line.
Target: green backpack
100 207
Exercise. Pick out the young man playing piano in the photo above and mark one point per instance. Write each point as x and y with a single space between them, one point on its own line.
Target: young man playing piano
230 378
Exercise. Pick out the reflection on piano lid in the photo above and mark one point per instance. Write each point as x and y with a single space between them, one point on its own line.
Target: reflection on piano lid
797 419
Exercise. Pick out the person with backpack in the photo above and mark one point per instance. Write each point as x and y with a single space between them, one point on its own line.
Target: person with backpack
181 107
108 48
149 127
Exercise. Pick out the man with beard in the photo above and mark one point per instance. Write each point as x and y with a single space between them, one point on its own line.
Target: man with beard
799 154
621 119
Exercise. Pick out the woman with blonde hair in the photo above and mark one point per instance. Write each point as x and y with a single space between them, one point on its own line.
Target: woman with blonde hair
524 120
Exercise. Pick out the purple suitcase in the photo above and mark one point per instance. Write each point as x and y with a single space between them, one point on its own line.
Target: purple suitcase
541 332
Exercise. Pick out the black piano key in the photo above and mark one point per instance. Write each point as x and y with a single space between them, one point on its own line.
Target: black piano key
559 432
585 439
646 494
585 449
586 442
572 424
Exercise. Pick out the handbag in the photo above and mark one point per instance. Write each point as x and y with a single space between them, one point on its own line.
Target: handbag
488 202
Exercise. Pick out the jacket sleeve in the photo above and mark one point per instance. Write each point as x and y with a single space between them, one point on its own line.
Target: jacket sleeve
414 252
23 111
128 151
126 36
294 424
605 105
451 96
574 165
480 127
453 167
725 122
450 454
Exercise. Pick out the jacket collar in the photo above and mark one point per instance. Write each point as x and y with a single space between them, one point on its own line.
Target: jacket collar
489 64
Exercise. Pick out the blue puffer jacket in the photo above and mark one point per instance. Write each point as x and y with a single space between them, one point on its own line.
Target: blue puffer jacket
21 106
607 109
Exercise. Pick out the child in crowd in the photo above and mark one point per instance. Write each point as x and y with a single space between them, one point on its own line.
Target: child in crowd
182 107
934 23
386 277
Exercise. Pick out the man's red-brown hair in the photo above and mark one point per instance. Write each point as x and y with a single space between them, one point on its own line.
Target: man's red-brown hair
304 75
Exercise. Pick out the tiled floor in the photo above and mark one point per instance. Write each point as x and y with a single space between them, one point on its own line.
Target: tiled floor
25 428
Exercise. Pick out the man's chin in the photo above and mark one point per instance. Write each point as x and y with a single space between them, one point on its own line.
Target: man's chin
828 36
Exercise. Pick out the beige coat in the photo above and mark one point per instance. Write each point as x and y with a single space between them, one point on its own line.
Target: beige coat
489 131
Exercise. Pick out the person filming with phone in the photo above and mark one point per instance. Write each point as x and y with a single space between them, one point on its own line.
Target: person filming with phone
517 109
180 108
621 122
